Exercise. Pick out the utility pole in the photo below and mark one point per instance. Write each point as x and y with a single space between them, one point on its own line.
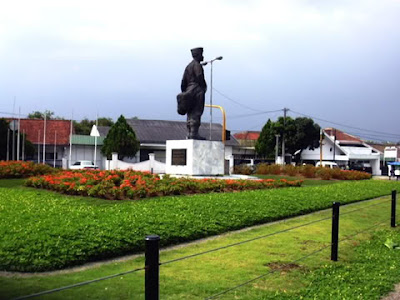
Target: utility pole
334 146
8 144
19 130
276 147
320 147
23 145
44 139
283 134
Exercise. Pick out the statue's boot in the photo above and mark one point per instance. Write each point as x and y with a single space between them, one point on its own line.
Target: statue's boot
194 133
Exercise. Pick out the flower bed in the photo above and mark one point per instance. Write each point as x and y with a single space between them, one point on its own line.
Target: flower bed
22 169
135 185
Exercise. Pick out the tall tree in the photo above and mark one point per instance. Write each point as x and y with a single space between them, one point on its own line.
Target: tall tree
121 139
300 133
265 144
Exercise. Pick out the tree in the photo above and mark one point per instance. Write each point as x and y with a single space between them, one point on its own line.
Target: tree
40 115
300 133
3 138
6 134
121 139
265 144
85 126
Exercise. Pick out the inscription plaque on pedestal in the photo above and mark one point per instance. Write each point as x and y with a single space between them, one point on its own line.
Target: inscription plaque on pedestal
178 157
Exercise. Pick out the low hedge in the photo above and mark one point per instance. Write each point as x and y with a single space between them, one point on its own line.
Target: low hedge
42 230
310 171
23 169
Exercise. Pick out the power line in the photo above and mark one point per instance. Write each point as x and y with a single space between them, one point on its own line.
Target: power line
256 114
348 126
236 102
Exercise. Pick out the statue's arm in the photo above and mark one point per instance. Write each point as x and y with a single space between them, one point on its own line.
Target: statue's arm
183 84
199 72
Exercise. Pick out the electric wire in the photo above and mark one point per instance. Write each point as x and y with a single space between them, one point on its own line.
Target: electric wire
244 242
348 126
234 101
78 284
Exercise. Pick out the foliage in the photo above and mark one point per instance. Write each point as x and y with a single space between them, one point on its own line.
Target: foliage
121 139
242 169
268 169
135 185
23 169
299 133
40 115
85 126
75 230
310 171
266 143
3 138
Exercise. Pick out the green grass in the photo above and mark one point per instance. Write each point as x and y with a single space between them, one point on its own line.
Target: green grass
306 181
42 230
365 270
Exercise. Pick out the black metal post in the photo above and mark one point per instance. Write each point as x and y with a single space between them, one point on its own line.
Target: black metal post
393 218
152 255
335 231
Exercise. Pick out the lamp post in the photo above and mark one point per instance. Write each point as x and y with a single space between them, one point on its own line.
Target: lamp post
211 85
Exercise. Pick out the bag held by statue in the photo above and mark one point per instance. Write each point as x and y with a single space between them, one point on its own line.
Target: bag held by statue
183 102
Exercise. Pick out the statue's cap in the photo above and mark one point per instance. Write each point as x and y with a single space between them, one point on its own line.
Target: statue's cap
196 51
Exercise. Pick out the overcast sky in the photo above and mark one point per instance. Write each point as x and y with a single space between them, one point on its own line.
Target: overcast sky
334 60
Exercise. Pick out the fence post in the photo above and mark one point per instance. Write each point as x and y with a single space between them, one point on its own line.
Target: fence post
335 231
152 254
393 217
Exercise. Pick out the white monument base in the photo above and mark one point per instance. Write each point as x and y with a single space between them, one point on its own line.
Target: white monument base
195 157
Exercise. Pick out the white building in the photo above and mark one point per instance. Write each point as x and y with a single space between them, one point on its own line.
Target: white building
346 150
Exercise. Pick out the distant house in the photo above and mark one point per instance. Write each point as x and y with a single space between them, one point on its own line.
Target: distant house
52 139
344 149
246 152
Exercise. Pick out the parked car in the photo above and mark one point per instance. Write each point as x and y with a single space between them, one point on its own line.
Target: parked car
364 167
328 164
83 164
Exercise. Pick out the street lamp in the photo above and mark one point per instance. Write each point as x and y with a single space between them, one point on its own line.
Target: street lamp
211 85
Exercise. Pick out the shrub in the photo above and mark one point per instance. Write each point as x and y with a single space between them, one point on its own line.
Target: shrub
324 173
290 170
242 169
307 171
266 169
23 169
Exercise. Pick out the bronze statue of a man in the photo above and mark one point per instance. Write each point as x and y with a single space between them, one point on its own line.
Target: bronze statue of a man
191 99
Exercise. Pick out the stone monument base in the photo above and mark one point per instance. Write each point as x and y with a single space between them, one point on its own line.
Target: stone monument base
195 157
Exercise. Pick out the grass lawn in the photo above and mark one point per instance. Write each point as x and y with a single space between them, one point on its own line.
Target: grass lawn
366 268
43 230
306 181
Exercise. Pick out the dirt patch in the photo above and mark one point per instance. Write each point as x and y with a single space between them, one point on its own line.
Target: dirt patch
282 266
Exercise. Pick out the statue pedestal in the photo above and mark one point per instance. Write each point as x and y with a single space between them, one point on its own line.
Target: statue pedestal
195 157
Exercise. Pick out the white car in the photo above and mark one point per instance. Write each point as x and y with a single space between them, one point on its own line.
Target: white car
328 164
83 164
